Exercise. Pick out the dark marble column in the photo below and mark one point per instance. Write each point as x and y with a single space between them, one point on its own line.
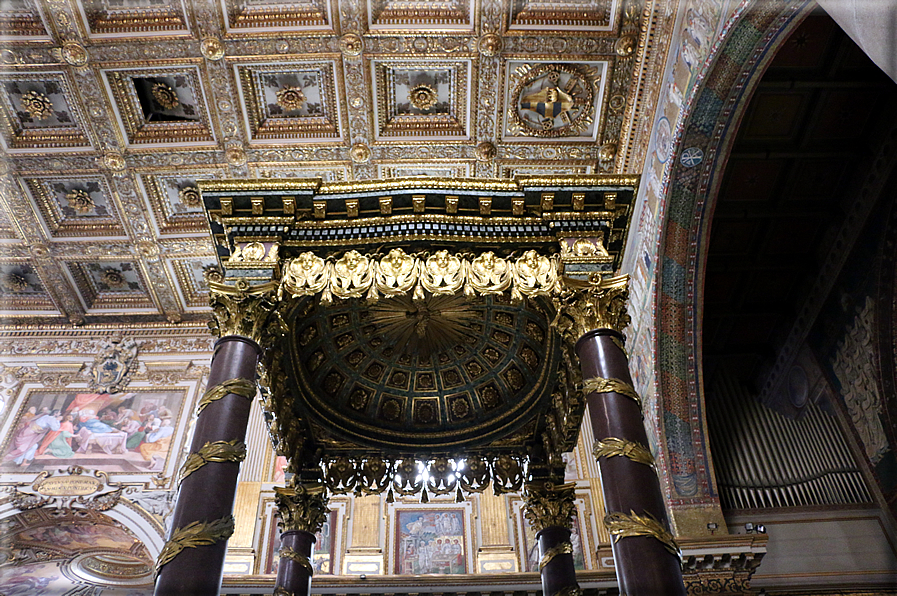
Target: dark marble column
303 511
550 510
192 560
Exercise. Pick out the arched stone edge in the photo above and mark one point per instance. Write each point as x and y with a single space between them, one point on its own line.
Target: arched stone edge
721 93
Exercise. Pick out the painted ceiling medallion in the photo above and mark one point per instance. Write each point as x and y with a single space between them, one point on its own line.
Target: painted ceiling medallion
190 197
553 100
423 97
114 278
80 201
166 96
13 282
38 105
291 98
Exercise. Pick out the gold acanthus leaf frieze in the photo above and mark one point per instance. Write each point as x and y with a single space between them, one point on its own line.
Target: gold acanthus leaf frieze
442 273
303 508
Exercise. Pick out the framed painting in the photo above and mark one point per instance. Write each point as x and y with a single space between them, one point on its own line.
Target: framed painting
129 432
431 541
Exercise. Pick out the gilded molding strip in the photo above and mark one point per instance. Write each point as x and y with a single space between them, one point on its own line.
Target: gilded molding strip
620 525
612 446
193 535
242 387
297 557
564 548
443 273
602 385
215 452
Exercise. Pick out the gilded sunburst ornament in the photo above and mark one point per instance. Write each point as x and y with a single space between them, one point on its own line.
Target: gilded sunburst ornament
423 97
424 327
13 282
166 96
190 197
291 98
38 105
114 278
80 201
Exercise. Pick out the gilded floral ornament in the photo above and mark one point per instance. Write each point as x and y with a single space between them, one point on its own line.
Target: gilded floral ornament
360 153
13 282
212 48
547 505
80 202
244 310
486 151
114 161
351 44
114 278
441 273
607 152
596 304
190 197
304 508
291 98
74 53
165 96
490 45
38 105
625 46
235 155
423 97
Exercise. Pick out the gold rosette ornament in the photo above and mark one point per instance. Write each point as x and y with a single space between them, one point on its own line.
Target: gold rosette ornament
423 97
38 105
190 197
80 201
166 96
291 99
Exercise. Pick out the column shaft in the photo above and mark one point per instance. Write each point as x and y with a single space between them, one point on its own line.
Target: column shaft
556 565
202 520
645 565
295 570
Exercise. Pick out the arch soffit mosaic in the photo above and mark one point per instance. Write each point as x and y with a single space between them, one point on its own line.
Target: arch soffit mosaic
721 93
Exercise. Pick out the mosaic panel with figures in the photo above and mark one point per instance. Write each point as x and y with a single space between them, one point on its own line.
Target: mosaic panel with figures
295 101
416 100
21 19
21 288
161 105
193 277
554 100
405 14
38 111
76 206
135 17
299 15
110 285
175 201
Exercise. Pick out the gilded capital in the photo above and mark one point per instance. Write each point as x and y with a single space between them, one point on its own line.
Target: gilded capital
584 306
547 505
244 310
303 508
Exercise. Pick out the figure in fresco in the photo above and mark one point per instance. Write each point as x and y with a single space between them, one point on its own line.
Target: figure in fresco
430 542
156 443
27 440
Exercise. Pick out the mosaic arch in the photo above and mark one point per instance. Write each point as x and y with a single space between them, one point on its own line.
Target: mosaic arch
706 128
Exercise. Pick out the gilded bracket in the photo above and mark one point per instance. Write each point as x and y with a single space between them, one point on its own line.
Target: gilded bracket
549 505
304 508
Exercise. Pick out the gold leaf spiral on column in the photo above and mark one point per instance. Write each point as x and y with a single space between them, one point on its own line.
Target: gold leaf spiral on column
215 452
297 557
193 535
612 447
242 387
304 508
597 304
602 385
563 548
620 525
549 505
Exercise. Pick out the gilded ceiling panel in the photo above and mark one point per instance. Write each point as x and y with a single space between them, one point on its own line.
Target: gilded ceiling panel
22 19
416 15
21 289
174 200
267 16
112 285
193 280
76 206
134 18
39 111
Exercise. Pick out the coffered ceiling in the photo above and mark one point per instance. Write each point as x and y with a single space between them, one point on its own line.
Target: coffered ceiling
112 110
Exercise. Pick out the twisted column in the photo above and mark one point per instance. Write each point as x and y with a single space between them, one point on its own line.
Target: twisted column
303 511
646 556
192 560
550 509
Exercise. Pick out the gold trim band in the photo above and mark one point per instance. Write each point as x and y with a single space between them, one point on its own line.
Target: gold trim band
613 446
602 385
620 525
564 548
215 452
193 535
297 557
242 387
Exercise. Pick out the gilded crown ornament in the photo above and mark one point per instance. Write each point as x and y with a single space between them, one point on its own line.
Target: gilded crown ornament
291 99
547 504
80 202
303 508
165 96
423 97
38 105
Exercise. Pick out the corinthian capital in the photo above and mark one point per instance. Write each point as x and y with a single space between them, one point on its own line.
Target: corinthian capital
584 306
244 310
549 505
303 508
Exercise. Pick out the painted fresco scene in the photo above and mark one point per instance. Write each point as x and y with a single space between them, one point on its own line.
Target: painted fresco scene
430 541
322 556
118 432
